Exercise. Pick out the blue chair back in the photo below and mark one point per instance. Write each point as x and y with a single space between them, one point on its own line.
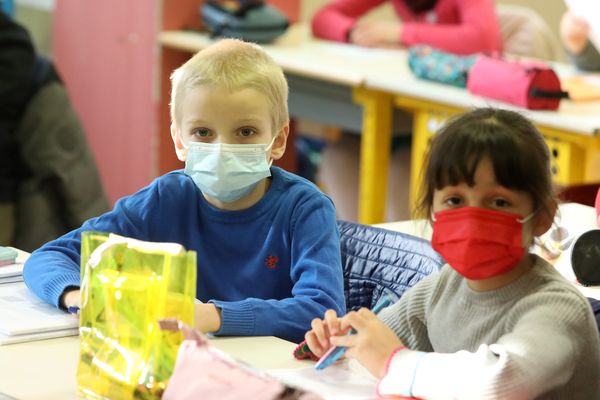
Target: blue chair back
378 262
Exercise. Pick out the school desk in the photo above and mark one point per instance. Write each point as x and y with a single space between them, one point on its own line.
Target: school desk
45 369
325 77
572 132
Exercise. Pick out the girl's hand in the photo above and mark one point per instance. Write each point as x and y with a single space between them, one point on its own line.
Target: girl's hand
574 32
373 343
318 337
376 33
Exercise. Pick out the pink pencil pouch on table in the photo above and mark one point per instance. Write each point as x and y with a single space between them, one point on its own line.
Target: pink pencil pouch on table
528 84
204 372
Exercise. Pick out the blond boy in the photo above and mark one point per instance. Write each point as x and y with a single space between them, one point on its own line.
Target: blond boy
267 241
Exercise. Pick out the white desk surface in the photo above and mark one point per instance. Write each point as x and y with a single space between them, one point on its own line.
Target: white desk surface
577 117
45 370
299 53
296 52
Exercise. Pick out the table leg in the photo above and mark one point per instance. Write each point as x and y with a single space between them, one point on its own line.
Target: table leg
374 154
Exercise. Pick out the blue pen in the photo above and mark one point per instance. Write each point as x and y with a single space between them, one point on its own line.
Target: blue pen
333 354
73 310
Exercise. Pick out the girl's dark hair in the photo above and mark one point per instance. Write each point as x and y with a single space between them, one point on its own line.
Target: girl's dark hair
518 153
420 6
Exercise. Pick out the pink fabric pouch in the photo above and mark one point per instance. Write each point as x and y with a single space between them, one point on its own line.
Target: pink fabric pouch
204 372
532 85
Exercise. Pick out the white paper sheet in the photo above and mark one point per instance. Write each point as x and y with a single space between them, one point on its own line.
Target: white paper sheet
11 279
21 312
7 339
345 380
590 11
11 270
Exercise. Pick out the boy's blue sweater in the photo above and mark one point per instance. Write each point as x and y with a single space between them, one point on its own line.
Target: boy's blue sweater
271 268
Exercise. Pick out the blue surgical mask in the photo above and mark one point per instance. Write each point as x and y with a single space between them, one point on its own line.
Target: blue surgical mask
227 172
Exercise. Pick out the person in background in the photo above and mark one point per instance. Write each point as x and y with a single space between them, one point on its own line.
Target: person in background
496 322
574 32
49 183
268 247
455 26
17 62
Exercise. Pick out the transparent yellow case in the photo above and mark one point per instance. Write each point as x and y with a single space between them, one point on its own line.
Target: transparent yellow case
127 285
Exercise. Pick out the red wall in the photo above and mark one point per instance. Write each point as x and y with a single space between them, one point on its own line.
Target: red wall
105 52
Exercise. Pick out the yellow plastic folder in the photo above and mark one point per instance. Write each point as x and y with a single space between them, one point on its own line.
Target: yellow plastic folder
127 285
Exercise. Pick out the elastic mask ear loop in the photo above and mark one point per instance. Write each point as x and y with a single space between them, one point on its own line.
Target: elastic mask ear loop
527 218
269 148
271 144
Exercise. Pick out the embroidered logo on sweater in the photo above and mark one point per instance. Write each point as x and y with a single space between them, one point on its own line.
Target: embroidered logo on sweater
271 262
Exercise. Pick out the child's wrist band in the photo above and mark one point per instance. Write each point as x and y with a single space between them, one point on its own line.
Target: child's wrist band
389 360
412 381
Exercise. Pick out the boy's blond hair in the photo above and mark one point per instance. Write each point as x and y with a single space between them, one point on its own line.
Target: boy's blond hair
233 65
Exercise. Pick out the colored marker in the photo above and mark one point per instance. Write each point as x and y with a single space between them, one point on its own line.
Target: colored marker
73 310
333 354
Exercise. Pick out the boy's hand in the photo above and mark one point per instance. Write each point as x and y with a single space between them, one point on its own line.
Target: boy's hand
208 317
71 298
574 32
373 343
376 33
317 338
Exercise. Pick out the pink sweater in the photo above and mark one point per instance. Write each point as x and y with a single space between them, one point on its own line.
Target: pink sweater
457 26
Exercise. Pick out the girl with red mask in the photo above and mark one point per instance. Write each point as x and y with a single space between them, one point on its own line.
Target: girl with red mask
496 321
455 26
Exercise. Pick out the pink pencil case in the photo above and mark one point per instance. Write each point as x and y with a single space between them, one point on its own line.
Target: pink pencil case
531 85
204 372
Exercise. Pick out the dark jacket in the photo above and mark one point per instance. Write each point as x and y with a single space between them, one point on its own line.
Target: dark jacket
379 262
63 188
17 64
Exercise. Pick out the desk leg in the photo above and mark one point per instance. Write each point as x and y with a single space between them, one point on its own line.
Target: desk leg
374 154
425 124
574 158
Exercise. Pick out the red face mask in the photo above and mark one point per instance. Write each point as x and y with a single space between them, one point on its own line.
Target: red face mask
479 243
